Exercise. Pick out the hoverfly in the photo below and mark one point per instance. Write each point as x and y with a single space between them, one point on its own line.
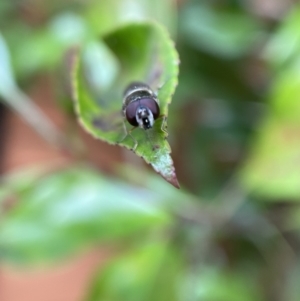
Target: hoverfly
140 108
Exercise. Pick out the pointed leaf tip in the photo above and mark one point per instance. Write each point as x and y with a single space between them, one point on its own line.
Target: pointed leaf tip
174 181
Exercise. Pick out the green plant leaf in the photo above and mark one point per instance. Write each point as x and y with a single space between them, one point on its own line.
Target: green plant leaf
272 169
63 213
145 53
284 45
150 272
104 16
47 44
214 283
228 34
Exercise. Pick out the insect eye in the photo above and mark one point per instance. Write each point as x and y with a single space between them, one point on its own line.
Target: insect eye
131 113
152 105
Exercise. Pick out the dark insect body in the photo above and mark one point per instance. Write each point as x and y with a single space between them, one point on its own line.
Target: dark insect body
140 105
141 109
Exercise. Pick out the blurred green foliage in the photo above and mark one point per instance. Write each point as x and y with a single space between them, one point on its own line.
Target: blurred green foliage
232 232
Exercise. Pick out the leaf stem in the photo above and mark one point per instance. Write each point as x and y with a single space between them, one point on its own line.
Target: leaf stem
34 116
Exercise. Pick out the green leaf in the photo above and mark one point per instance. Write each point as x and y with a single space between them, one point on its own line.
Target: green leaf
150 272
284 46
213 283
228 34
63 213
47 44
104 16
145 53
272 169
